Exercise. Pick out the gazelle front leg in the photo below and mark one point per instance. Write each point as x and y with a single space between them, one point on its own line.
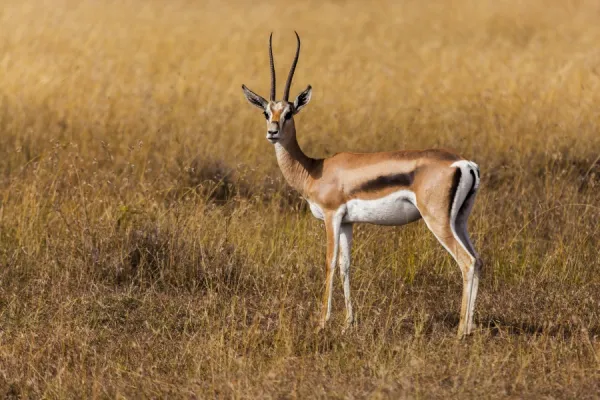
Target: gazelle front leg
345 258
333 222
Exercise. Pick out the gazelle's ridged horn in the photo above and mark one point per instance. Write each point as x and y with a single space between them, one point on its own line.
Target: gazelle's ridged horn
272 67
288 84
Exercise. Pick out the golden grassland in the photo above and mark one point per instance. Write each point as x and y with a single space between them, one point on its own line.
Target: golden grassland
150 248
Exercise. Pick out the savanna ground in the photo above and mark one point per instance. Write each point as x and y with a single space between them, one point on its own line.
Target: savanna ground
150 248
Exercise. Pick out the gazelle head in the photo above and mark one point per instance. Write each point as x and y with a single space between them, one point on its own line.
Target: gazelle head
280 114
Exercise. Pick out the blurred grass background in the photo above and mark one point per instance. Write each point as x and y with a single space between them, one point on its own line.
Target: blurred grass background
149 246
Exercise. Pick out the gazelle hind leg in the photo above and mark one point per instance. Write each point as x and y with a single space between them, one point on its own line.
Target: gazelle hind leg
457 242
466 262
462 235
451 231
345 258
470 273
475 268
475 286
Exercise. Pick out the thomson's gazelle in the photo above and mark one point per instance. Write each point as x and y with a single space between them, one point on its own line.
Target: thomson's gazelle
389 188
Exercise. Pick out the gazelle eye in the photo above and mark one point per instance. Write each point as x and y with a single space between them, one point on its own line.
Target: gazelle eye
266 114
287 115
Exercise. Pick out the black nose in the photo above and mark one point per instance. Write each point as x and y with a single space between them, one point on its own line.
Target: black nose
272 132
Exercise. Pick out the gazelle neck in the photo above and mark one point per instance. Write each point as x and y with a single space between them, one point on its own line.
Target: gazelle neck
295 166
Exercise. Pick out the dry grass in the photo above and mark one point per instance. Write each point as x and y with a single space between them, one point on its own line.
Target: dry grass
149 248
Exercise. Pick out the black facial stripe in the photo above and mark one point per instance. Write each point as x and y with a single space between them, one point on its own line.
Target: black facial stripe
404 179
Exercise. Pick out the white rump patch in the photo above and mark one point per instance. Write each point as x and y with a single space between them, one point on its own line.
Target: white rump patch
464 187
465 166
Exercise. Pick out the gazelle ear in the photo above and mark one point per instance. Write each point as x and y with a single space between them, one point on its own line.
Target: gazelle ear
254 99
302 99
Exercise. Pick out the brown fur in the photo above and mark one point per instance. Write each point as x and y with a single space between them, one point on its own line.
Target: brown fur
275 113
332 182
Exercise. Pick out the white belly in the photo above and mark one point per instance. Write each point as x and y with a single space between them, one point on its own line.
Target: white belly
397 208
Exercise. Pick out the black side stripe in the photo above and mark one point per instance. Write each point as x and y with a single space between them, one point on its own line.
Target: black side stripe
385 181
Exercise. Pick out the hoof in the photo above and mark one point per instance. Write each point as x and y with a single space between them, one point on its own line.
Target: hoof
463 335
348 326
320 327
